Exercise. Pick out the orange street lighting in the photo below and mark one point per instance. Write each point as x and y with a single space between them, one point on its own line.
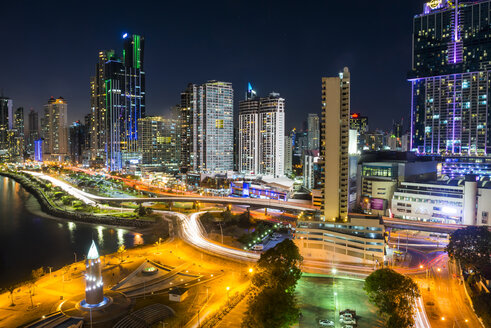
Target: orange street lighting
443 318
438 269
228 288
421 266
251 270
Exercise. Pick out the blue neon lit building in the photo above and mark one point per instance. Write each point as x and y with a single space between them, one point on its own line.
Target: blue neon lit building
38 150
118 101
450 78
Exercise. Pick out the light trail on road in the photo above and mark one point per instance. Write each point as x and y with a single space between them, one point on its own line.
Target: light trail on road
82 195
193 234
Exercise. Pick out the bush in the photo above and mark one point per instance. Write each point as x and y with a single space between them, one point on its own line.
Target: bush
482 306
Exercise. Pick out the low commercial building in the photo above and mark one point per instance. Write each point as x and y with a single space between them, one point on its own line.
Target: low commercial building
380 173
455 201
360 240
252 190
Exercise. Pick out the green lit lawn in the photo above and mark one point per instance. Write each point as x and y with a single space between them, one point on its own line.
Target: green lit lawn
316 298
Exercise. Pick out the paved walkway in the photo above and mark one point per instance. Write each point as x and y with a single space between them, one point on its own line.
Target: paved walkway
234 318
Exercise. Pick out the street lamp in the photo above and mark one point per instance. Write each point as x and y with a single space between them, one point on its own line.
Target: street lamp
251 270
228 298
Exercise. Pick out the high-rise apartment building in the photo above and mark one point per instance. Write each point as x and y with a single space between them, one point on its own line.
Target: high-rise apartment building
16 136
159 142
334 145
77 133
55 130
117 103
272 135
32 130
359 123
98 128
288 154
207 134
313 131
5 123
249 133
261 134
450 78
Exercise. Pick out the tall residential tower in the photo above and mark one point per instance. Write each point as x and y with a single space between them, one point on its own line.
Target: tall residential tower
334 145
55 129
450 78
261 134
207 129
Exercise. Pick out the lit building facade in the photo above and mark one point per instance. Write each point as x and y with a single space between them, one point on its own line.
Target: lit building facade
271 136
38 150
117 103
460 166
450 80
55 129
32 130
207 131
261 135
159 142
313 131
288 154
16 136
334 145
249 133
361 240
5 124
98 114
464 202
77 133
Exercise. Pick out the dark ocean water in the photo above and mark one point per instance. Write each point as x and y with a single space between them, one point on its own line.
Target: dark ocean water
30 239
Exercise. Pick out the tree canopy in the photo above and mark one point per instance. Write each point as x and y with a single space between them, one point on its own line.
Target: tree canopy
274 304
471 246
394 295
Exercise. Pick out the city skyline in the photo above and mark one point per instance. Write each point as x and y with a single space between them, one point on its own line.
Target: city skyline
293 73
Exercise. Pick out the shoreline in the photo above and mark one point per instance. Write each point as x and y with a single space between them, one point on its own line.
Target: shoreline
59 214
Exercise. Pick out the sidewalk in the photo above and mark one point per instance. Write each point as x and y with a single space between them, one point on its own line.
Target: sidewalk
234 318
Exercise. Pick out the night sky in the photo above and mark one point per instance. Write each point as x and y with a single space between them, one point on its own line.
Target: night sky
49 48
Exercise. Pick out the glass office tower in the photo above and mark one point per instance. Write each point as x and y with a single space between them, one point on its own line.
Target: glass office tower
450 78
117 103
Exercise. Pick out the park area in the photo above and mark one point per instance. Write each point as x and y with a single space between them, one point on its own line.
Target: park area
321 297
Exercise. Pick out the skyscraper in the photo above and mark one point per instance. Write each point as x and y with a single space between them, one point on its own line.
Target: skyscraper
5 123
77 135
272 135
134 92
32 130
261 134
249 133
450 78
55 129
313 131
334 145
288 154
207 127
159 142
16 142
117 102
98 115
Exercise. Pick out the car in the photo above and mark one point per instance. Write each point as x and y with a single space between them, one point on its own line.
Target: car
326 323
258 247
348 321
346 315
